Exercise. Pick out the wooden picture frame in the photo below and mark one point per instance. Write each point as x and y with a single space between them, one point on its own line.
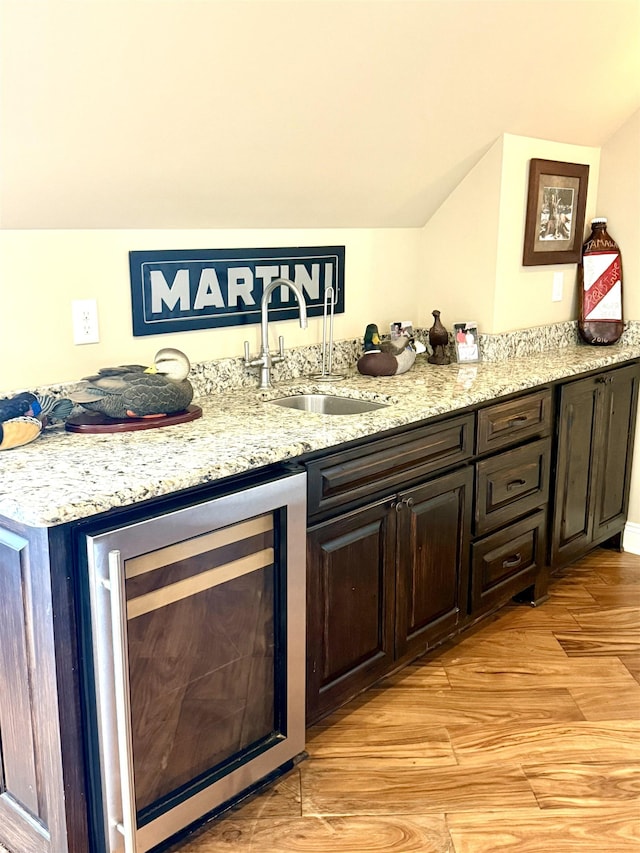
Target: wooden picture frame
556 205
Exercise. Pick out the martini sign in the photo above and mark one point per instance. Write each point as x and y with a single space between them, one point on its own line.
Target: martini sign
182 290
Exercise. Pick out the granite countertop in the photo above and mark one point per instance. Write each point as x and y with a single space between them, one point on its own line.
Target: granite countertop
65 476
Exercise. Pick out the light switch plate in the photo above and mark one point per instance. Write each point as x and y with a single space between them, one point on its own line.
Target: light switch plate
558 285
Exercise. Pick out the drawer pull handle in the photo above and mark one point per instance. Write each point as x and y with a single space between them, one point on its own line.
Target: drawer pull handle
510 562
515 483
518 419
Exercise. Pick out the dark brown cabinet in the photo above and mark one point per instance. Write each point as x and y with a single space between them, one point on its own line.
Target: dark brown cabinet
595 430
386 580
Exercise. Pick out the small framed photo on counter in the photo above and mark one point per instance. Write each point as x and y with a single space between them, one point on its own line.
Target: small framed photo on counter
465 336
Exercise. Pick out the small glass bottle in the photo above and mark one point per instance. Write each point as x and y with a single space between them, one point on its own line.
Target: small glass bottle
600 287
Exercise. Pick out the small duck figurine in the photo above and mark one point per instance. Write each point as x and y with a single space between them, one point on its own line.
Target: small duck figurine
15 432
23 417
19 422
385 358
136 391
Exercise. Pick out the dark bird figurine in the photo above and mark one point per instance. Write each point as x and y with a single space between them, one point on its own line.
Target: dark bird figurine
385 358
135 391
439 340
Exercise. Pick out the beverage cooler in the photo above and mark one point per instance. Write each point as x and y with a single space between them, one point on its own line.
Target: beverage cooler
197 657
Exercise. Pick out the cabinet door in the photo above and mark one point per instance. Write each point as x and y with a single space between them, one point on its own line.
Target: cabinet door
618 401
595 440
576 455
434 524
350 605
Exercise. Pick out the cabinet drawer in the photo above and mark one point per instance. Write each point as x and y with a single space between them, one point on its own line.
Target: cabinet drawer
511 484
508 423
345 478
507 562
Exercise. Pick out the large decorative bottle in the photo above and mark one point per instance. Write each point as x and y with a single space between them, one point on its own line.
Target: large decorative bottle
600 287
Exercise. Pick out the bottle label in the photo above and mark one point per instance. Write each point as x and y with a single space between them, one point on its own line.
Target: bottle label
602 286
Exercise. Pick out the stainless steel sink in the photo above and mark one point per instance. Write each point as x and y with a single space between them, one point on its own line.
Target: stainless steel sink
328 404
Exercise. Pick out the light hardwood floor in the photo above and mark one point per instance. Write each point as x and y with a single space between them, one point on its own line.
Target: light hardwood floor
524 735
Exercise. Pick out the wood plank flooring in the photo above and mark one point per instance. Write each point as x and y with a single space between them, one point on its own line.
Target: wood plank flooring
523 736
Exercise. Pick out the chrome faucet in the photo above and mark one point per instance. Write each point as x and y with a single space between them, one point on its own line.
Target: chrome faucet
266 359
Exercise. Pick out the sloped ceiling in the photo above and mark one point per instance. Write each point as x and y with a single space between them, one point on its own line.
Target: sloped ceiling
292 113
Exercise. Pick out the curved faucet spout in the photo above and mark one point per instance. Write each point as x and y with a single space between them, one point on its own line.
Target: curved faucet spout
264 307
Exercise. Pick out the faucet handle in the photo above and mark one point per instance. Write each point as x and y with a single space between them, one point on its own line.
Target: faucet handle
279 356
258 361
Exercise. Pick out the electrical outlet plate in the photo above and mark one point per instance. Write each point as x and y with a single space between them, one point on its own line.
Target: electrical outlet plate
85 321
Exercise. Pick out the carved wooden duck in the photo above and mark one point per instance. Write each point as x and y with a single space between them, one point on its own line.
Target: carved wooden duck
135 391
385 358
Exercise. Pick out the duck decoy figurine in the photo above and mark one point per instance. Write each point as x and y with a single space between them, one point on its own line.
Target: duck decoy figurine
136 391
385 358
23 417
19 422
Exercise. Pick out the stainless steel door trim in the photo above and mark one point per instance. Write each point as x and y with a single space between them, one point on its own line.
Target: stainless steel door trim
150 601
190 522
164 531
182 550
126 823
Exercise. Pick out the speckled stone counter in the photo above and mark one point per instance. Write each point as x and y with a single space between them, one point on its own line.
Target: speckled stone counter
66 476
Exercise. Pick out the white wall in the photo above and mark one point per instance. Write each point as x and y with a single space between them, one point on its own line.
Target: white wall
472 246
459 247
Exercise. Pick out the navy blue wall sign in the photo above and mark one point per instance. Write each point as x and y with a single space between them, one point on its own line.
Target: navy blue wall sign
181 290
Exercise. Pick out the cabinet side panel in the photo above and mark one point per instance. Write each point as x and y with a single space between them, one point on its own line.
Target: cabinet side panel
23 777
18 749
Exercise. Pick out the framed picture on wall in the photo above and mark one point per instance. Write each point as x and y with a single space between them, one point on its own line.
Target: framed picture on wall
556 204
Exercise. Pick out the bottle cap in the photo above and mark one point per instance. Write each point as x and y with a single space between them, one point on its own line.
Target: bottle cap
599 220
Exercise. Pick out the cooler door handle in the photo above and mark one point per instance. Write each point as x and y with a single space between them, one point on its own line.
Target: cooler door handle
126 824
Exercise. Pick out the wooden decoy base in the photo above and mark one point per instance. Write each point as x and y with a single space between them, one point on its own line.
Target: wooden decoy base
94 422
